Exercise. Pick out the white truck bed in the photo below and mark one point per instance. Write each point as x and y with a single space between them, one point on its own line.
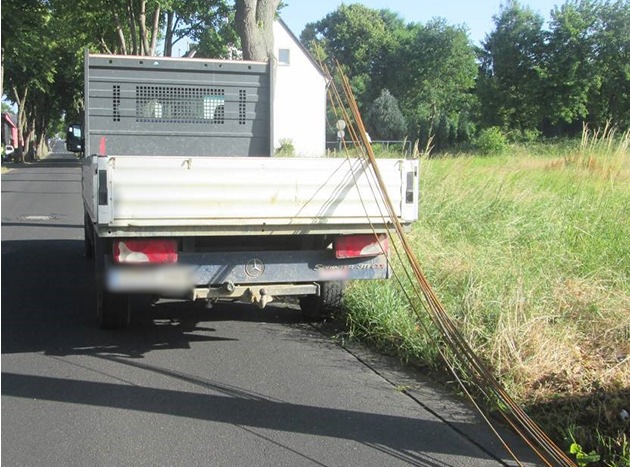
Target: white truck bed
161 195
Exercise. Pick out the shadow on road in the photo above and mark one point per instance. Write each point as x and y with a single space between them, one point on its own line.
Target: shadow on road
48 306
396 436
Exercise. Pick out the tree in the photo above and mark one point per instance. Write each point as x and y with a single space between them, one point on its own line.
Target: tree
27 53
359 39
384 119
352 35
511 75
254 23
435 78
200 21
220 40
571 75
612 102
430 69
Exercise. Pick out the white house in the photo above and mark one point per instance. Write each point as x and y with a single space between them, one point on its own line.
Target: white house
299 96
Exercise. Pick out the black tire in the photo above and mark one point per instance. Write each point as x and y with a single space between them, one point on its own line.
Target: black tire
329 301
141 308
113 311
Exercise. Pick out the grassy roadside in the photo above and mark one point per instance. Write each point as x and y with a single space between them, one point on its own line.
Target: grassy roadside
531 253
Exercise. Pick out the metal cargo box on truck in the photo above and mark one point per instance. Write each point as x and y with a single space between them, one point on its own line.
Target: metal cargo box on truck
182 198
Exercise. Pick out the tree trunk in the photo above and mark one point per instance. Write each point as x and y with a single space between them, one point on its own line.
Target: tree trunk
155 30
168 35
2 73
120 34
254 22
131 17
29 145
41 125
104 47
21 121
142 23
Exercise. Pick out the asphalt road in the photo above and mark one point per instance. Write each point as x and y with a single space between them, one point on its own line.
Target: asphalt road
186 386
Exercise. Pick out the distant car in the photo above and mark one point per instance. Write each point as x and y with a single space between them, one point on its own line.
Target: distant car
7 153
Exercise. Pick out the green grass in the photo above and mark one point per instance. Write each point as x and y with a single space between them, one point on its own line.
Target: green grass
531 254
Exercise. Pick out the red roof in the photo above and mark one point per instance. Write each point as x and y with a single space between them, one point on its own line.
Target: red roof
6 117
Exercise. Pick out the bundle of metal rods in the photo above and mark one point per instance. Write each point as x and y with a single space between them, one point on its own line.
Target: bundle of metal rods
456 352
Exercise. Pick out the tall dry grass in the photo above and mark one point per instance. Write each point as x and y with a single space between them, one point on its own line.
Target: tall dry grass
532 256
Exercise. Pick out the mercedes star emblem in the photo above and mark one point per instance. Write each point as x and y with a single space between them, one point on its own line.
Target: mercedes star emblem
254 268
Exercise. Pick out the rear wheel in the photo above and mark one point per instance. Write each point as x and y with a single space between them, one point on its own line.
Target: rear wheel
329 301
113 311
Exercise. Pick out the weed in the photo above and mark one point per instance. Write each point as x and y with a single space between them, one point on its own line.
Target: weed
582 458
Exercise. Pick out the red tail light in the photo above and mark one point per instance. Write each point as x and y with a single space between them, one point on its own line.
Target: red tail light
357 246
145 251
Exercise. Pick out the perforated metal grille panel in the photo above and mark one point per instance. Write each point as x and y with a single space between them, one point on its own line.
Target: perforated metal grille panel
116 102
170 104
242 99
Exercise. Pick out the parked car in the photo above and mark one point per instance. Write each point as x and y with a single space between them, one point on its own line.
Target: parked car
8 152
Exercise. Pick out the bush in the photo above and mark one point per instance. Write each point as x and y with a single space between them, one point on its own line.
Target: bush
491 141
286 148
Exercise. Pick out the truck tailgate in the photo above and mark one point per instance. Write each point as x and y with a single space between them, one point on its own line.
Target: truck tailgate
263 194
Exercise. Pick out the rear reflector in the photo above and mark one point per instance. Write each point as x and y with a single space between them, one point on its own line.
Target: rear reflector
145 251
357 246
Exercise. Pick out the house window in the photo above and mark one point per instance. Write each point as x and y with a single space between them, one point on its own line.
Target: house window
283 56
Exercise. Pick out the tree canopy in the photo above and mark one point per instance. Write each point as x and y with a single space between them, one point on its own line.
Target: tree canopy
527 77
554 80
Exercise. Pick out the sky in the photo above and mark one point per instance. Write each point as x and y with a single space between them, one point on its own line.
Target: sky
476 15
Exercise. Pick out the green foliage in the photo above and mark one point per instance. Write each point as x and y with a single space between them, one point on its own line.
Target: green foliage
286 149
29 52
435 79
385 120
429 68
554 80
582 458
612 56
216 36
571 74
209 24
510 82
378 314
359 39
616 450
529 81
352 34
491 141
